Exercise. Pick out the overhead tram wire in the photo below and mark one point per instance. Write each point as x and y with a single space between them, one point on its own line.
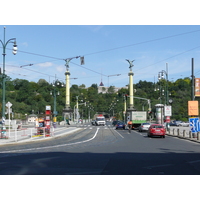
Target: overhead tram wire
168 58
112 49
148 41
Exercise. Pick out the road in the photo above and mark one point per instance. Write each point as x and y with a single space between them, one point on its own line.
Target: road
102 151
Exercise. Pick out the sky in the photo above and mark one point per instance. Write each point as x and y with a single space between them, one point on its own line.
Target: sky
105 49
106 33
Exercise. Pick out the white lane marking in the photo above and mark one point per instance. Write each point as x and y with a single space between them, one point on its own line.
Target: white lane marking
119 133
48 147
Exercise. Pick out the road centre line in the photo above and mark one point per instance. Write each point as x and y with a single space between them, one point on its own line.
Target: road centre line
61 145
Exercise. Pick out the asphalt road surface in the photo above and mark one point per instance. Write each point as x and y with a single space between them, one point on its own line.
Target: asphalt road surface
102 151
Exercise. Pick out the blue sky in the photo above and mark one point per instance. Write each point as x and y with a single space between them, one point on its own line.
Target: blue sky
105 48
105 33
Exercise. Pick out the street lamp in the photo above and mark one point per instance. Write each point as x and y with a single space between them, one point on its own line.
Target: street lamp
161 76
112 75
54 94
4 44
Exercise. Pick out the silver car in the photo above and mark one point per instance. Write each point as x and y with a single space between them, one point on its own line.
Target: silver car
144 127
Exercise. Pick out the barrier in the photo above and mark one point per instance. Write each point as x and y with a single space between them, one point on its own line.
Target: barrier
190 134
178 132
198 136
17 135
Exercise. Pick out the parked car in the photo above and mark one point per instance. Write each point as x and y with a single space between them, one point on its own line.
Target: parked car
156 130
184 124
120 125
144 127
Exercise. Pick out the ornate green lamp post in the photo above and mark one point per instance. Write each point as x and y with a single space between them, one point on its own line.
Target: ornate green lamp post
4 44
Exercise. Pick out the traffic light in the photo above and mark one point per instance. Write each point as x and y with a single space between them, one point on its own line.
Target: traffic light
82 60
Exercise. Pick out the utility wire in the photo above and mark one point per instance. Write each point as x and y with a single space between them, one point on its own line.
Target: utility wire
112 49
169 58
148 41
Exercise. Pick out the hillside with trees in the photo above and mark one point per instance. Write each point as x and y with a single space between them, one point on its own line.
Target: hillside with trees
32 97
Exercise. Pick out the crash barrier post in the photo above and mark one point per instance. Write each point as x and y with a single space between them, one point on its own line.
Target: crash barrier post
184 133
194 135
190 134
178 131
198 135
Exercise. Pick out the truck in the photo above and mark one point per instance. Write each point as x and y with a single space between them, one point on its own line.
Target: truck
100 120
137 118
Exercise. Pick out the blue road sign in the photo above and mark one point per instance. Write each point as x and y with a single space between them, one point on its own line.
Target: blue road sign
194 124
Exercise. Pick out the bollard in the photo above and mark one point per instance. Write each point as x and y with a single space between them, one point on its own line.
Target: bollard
190 134
198 135
194 135
178 131
184 133
173 131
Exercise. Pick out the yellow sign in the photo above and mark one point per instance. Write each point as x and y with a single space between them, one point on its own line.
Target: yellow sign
193 108
54 119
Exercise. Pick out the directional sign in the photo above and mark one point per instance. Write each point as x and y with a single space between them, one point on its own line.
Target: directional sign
194 124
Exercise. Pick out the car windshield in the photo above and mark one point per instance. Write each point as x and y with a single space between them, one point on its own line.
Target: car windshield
100 119
146 123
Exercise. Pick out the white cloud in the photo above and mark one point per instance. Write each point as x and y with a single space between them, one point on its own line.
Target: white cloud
46 64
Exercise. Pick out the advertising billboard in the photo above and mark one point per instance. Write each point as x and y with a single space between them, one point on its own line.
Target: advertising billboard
193 108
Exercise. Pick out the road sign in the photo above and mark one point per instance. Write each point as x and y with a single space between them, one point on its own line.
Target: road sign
8 104
168 111
194 124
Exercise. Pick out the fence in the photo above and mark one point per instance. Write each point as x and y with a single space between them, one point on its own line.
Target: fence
27 133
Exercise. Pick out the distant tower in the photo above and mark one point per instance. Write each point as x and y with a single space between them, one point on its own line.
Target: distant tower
101 87
101 84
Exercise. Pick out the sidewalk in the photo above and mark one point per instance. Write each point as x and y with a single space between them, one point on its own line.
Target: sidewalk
183 133
29 135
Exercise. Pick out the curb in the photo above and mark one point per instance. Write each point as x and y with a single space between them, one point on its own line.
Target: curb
185 138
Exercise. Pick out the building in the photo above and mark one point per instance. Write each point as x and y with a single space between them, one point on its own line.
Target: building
103 89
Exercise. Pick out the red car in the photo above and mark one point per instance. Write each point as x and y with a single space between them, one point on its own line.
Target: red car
156 130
